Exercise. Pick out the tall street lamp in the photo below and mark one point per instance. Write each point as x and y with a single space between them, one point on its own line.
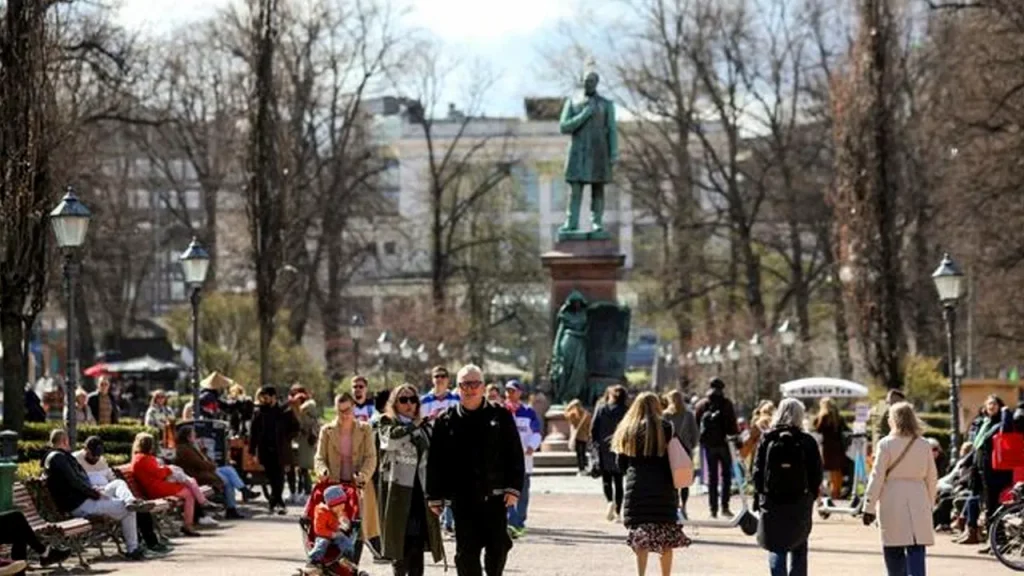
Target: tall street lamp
951 285
718 358
422 355
70 222
355 331
195 262
733 351
788 338
442 352
757 350
384 349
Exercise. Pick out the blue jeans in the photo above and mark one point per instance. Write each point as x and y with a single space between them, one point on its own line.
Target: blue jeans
232 482
904 560
798 561
447 519
320 546
517 513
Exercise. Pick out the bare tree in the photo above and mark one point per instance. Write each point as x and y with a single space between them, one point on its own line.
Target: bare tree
265 196
465 165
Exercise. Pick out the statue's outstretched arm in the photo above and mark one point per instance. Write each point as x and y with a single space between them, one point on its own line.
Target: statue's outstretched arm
569 123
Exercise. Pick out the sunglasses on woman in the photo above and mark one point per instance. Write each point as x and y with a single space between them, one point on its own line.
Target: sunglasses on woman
407 400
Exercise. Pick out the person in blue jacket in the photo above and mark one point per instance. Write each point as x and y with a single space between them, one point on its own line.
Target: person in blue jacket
528 426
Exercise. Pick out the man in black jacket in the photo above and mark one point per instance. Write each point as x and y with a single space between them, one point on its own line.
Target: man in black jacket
73 494
476 465
716 418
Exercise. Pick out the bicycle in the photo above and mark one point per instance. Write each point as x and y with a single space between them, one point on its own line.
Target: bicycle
1006 532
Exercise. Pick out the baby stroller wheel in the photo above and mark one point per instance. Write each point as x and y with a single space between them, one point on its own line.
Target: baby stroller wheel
748 524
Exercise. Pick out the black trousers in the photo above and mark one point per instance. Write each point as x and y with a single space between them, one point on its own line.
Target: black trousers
581 455
482 526
275 477
15 530
144 521
684 495
718 459
612 484
411 563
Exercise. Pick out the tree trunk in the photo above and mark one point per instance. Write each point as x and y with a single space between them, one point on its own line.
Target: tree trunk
331 316
752 271
438 274
13 335
210 237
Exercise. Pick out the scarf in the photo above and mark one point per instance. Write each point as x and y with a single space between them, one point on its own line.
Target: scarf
982 435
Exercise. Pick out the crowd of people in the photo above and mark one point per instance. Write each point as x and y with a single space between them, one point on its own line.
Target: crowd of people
408 468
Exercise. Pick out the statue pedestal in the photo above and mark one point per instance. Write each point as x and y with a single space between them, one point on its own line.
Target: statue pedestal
591 266
556 438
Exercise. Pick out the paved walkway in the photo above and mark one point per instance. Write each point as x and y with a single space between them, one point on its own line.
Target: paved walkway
568 537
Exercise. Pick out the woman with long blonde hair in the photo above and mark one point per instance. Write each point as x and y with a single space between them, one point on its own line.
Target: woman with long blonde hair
579 432
684 427
649 508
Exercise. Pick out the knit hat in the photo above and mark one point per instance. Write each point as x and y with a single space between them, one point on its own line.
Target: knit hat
335 496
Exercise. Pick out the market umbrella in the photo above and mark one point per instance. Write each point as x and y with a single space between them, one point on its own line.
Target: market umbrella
819 387
96 370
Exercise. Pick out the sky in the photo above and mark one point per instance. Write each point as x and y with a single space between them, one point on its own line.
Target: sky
507 35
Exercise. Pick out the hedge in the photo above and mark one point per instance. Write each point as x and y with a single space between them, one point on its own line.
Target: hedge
36 449
930 419
34 469
110 433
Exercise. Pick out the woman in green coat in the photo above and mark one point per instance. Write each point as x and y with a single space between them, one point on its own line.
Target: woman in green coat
408 527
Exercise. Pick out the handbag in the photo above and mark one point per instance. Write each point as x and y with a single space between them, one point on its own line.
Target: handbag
1007 451
680 463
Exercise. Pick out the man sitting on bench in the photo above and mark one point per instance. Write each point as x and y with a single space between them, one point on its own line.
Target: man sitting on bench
101 476
73 494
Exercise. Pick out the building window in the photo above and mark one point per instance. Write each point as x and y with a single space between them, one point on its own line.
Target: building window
192 199
371 249
391 183
141 198
527 188
389 249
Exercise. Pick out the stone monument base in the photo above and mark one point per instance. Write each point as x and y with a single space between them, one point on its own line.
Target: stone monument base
590 266
556 438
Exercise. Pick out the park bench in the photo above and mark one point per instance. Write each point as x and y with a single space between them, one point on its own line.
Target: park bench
164 509
104 529
73 533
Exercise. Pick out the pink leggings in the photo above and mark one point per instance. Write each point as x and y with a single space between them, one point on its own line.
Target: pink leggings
190 494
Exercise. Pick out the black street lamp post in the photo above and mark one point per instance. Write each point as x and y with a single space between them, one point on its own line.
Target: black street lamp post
757 350
951 285
788 338
195 262
70 222
718 358
355 331
384 349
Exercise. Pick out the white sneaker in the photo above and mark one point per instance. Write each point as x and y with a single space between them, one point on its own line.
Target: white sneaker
611 512
207 522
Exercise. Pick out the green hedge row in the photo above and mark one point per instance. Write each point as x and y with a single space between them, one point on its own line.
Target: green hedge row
33 468
112 433
35 450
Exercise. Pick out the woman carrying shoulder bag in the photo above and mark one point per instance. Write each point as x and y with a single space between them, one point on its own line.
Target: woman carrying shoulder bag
902 486
646 450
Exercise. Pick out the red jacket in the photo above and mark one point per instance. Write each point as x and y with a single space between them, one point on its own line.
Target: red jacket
152 477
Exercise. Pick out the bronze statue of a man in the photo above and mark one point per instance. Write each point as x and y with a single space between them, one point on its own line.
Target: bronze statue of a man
594 149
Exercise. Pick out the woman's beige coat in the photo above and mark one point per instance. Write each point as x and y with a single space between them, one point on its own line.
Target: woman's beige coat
905 496
364 462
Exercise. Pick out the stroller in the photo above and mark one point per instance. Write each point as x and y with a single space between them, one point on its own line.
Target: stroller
335 563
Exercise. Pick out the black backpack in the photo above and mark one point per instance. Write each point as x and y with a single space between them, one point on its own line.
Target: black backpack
712 426
785 466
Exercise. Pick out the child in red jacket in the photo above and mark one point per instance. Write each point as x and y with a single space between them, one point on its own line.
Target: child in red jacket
332 523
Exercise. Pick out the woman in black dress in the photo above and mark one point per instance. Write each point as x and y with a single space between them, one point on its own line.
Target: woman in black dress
649 508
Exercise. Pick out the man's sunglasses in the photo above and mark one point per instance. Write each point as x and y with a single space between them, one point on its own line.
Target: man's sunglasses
436 376
407 400
471 384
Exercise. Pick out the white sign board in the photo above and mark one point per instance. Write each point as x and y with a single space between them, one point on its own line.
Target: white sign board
862 413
